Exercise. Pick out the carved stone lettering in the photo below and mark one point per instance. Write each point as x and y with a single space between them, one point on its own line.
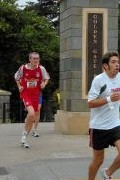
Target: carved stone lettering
94 48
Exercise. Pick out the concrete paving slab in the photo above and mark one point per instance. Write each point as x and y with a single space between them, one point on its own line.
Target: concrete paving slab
52 156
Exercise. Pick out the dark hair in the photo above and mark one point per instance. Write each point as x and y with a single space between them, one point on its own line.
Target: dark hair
30 55
106 57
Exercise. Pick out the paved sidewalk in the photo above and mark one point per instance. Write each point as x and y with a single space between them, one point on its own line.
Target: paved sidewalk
52 156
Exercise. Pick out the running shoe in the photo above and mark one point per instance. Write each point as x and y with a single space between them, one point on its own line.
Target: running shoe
23 142
104 176
35 134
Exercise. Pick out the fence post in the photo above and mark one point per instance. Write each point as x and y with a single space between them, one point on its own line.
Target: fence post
4 112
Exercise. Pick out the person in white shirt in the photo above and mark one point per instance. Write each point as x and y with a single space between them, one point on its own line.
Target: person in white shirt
104 126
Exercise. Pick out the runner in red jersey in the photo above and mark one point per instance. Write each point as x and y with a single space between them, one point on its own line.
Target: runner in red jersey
31 81
28 79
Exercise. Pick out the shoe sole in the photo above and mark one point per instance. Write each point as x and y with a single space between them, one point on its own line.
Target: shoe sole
24 145
35 135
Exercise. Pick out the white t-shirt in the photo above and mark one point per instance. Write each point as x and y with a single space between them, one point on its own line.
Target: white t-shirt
104 117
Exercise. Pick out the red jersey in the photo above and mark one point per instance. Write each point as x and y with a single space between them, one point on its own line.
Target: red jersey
31 80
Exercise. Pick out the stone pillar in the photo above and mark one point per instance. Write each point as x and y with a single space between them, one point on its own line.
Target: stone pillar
4 106
88 28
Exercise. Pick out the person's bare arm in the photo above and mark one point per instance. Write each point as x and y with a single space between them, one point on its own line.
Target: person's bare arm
102 101
44 83
20 87
18 76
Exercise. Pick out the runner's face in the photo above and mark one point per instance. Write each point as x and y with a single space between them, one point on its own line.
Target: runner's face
113 66
34 60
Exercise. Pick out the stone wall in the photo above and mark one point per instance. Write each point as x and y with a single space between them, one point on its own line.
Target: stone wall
73 116
4 104
71 48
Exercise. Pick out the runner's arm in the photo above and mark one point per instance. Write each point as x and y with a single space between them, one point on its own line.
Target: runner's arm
45 77
18 75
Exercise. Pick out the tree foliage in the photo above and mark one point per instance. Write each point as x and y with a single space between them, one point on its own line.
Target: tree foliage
47 8
23 31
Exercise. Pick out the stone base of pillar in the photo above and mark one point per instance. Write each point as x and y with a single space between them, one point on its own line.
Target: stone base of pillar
72 122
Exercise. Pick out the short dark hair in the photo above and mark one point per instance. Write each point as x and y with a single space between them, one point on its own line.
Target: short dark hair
106 57
30 55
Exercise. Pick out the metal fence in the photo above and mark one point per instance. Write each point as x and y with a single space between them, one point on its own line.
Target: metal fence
15 111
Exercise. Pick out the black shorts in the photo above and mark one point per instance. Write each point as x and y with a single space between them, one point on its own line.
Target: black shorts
100 139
